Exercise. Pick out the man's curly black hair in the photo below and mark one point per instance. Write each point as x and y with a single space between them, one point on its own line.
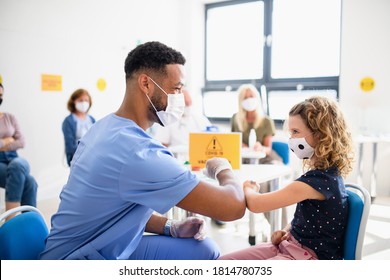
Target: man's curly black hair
152 55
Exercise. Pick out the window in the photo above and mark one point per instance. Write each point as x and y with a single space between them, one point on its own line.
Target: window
304 41
289 49
227 34
280 102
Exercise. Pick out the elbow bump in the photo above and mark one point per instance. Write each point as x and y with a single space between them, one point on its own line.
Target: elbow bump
238 213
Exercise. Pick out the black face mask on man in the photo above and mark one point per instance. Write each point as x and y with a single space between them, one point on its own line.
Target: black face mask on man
1 100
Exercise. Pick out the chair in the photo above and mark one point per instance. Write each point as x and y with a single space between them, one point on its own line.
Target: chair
282 149
23 236
359 202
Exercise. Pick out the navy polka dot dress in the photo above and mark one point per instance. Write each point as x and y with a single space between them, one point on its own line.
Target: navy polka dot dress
320 224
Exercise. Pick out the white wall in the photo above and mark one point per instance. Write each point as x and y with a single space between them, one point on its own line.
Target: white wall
365 52
84 40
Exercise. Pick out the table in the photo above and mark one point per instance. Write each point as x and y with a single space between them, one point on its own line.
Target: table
252 154
374 140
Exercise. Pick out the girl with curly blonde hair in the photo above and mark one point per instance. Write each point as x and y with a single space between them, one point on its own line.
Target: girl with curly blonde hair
319 136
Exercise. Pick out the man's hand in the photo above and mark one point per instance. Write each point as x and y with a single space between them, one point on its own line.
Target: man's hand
190 227
216 165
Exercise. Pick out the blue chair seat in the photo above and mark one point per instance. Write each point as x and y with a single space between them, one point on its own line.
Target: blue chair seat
23 236
282 149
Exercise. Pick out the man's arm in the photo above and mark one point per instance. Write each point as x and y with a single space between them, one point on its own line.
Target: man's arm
191 227
156 224
224 202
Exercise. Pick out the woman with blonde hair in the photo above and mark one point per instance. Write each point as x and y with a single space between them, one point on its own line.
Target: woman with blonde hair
250 116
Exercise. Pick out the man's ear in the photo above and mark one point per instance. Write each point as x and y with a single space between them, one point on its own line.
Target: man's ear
144 83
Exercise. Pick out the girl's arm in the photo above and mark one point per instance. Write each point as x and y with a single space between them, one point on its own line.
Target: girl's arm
291 194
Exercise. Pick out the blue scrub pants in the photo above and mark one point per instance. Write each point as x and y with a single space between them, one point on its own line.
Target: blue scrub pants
19 185
161 247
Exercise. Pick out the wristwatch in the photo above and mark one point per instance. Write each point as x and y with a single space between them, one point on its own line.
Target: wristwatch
167 228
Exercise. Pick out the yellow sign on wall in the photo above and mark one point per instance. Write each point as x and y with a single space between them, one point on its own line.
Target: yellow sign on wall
204 146
101 84
51 82
367 84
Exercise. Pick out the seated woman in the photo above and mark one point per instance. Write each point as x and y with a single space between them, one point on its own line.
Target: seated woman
20 186
78 122
250 116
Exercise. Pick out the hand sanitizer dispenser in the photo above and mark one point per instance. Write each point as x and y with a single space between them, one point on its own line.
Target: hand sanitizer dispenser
252 138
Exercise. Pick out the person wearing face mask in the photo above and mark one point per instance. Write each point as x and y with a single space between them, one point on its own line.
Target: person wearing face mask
320 137
177 134
20 186
78 122
250 116
122 180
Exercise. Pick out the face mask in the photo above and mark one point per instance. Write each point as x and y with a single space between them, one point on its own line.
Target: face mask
82 106
250 104
1 100
300 148
174 110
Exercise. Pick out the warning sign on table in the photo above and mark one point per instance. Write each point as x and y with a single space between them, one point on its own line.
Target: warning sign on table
207 145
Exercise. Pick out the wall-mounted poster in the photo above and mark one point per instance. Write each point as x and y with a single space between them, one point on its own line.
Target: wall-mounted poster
51 82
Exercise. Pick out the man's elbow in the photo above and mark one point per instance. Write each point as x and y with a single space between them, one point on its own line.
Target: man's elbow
235 213
240 213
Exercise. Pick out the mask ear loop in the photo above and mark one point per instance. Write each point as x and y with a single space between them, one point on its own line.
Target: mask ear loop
158 86
147 96
150 101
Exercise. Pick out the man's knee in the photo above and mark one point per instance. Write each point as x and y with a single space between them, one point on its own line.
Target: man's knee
207 249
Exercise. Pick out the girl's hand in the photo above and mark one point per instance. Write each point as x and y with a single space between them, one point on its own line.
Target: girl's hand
278 236
251 185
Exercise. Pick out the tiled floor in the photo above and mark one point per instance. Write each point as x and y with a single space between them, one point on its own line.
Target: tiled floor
234 235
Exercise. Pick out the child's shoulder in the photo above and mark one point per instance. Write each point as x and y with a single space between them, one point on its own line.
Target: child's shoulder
321 173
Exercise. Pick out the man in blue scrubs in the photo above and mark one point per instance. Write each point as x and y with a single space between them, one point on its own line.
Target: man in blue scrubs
120 177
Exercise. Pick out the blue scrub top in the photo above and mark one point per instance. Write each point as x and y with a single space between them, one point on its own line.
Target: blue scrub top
118 177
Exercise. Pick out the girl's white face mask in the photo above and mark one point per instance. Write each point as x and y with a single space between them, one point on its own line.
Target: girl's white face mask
301 148
174 110
250 104
82 106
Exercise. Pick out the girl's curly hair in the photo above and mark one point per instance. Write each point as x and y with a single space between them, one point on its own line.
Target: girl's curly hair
335 147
